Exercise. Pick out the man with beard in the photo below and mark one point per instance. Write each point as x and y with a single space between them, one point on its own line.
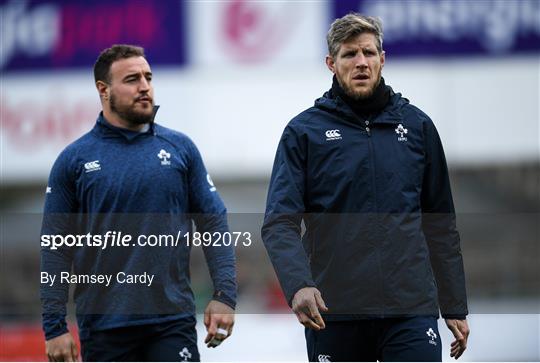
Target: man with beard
129 174
366 173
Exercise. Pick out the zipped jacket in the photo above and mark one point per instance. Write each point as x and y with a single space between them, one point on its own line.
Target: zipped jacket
374 194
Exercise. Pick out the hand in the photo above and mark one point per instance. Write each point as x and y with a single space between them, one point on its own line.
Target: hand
62 349
306 304
461 331
218 319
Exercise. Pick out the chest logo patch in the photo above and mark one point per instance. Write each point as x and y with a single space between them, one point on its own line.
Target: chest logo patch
92 166
332 135
401 131
164 157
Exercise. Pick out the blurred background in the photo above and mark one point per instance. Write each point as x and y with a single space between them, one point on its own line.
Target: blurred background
231 74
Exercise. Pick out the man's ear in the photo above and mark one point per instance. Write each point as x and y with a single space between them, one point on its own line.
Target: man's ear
330 63
103 90
383 53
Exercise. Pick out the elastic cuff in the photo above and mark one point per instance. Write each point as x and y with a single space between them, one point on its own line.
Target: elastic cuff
56 331
222 298
298 288
454 316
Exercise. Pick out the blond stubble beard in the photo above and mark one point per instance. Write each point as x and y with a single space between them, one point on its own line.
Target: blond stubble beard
360 95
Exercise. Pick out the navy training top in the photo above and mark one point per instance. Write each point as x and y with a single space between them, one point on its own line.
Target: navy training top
134 183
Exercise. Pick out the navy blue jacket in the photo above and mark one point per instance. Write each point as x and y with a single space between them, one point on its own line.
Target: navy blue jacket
112 179
380 236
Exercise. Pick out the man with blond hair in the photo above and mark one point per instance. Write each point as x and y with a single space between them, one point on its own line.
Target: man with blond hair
380 257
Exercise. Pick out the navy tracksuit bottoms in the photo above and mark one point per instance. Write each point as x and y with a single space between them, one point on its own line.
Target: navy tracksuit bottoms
172 341
394 339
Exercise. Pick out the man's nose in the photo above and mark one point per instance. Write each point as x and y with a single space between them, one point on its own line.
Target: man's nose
361 61
144 85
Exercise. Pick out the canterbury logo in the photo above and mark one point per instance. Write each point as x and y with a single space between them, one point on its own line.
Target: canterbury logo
332 135
92 166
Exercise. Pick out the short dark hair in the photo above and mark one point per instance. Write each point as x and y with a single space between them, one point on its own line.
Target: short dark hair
110 55
351 25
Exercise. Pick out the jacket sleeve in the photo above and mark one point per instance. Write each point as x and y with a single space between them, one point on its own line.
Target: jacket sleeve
281 231
439 226
210 215
60 204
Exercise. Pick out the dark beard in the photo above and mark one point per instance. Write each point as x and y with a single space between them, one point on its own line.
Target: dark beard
132 117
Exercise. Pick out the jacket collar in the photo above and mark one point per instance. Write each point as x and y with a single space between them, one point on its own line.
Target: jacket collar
104 129
391 114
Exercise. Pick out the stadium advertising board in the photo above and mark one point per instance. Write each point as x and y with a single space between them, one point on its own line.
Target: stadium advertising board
59 34
256 32
446 28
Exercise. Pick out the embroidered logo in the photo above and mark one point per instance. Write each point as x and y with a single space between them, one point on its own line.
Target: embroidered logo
164 157
332 135
92 166
401 131
324 358
430 333
48 190
185 354
211 183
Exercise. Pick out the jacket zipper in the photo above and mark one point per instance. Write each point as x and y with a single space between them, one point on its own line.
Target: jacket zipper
375 214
